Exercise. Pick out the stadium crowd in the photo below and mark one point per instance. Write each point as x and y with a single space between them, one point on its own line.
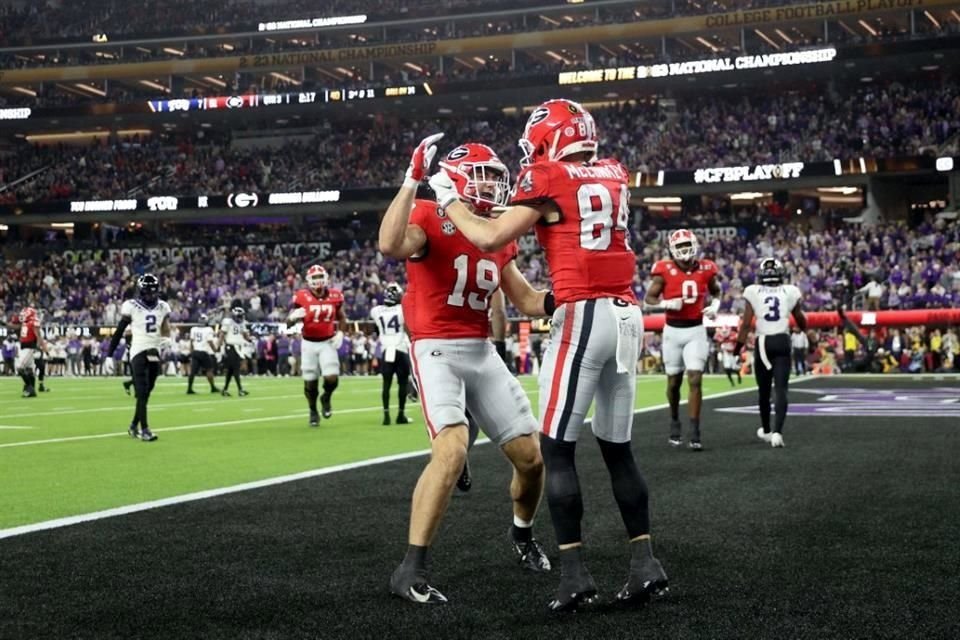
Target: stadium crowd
727 130
886 267
53 20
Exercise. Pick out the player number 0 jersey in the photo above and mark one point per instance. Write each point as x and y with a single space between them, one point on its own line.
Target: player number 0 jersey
772 307
145 324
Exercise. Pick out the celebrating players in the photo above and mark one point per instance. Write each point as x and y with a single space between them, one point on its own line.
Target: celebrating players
772 303
203 344
684 283
393 339
235 338
31 347
149 317
579 208
320 308
456 366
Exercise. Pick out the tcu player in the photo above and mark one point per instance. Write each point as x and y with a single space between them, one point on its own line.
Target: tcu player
684 283
772 303
31 347
235 338
579 208
320 308
450 282
203 344
726 339
149 318
393 338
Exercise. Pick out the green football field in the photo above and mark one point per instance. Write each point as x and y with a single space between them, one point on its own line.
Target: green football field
66 452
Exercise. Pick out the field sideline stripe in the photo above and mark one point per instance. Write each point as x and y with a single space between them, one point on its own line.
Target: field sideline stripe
268 482
186 427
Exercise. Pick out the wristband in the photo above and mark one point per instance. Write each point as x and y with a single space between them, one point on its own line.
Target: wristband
410 183
549 303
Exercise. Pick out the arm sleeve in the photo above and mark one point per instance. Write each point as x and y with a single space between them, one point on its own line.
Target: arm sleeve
118 333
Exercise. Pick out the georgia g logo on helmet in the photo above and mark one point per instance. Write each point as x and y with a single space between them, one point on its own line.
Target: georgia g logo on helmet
317 278
458 153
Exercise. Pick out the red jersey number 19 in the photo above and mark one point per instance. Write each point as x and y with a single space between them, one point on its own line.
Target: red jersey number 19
488 279
597 216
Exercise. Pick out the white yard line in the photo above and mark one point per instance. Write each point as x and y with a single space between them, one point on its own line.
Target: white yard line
247 486
10 426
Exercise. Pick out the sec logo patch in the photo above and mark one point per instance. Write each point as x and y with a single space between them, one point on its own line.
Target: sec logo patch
448 228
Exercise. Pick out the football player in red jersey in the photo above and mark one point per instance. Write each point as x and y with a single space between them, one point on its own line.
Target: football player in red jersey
726 339
31 346
684 282
579 209
450 282
320 307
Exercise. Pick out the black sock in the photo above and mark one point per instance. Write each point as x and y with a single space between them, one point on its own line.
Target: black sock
416 558
571 560
311 391
695 428
521 534
190 381
730 375
402 401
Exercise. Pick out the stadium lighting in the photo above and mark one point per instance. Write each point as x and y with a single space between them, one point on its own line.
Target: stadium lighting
945 164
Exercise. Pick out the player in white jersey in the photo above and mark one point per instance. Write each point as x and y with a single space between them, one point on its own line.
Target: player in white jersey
203 342
233 333
772 303
396 349
149 318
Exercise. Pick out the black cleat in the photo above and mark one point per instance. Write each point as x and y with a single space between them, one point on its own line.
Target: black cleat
314 419
134 432
225 393
676 434
243 392
190 392
146 435
576 588
402 419
530 555
414 588
696 445
214 390
44 389
645 582
29 393
386 418
325 406
465 481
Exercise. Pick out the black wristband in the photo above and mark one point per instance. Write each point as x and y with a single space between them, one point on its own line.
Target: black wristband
549 303
737 349
501 347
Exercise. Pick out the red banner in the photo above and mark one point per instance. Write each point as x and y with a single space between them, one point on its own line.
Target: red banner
827 319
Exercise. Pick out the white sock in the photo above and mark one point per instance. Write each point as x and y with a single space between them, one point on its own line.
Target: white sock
520 523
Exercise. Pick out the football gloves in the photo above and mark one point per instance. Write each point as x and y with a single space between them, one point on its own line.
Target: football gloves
673 304
712 308
297 314
420 160
443 186
337 340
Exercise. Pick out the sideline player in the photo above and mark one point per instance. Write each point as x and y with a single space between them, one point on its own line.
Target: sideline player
149 318
31 347
579 207
395 360
684 282
726 338
772 303
450 282
320 308
203 342
235 338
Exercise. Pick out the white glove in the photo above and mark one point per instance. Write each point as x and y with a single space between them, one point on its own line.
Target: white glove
712 308
443 186
297 314
337 340
420 160
673 304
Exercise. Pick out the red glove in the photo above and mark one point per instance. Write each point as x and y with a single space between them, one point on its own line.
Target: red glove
420 160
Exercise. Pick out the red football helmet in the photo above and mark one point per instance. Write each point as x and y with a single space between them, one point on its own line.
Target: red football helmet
479 175
317 278
557 129
28 315
684 246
